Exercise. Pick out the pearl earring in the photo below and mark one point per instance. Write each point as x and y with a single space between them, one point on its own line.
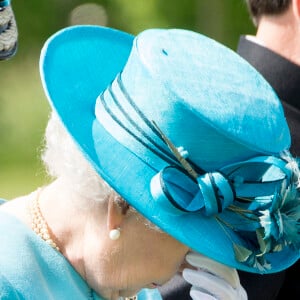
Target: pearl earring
114 234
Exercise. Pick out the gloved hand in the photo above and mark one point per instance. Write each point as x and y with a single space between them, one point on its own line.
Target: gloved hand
211 280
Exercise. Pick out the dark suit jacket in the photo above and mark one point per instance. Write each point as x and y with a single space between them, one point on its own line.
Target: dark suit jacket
284 76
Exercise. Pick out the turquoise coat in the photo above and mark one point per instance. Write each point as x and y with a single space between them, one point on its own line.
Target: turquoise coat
30 269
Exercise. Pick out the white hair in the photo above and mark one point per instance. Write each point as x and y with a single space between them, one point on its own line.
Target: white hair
63 159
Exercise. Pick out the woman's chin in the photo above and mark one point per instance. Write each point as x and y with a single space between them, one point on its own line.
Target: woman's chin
127 293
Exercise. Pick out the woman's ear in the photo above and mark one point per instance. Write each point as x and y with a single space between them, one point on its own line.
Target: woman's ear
115 213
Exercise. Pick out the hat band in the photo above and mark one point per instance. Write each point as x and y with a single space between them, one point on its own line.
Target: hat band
114 110
125 121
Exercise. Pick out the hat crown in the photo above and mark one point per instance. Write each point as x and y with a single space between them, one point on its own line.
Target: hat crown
203 96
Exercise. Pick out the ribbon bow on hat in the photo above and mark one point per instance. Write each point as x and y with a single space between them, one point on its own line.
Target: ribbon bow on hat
250 196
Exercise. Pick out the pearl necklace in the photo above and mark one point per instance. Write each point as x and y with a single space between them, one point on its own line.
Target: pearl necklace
38 223
41 228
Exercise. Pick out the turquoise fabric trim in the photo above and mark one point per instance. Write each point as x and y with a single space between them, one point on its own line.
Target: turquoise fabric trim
47 274
147 294
4 3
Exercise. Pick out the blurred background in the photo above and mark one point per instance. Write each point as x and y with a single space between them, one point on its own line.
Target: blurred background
23 108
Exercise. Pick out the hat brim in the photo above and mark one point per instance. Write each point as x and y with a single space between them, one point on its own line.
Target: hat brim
77 64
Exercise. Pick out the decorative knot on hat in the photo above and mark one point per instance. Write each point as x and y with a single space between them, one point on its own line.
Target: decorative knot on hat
257 199
178 193
186 191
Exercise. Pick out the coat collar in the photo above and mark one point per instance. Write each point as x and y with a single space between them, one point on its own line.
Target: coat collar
270 64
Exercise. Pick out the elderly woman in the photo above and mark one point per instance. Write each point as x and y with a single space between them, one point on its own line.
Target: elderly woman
161 146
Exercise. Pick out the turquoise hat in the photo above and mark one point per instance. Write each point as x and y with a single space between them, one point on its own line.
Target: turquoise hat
187 132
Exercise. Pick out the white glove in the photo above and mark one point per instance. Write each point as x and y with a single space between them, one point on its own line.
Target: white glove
211 280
